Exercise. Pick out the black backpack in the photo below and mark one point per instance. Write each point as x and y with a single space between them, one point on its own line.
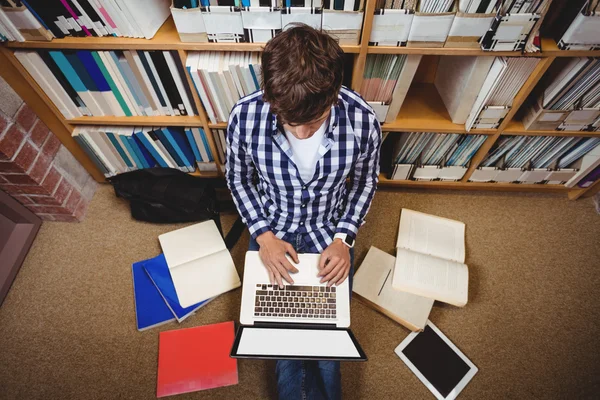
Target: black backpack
167 195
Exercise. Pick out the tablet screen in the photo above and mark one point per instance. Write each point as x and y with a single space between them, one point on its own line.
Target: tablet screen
436 361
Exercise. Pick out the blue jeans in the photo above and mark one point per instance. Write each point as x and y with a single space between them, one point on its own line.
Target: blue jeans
310 380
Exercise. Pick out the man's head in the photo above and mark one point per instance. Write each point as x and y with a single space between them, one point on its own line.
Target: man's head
302 71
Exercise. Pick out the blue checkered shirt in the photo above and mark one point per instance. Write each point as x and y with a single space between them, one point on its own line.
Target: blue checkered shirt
278 199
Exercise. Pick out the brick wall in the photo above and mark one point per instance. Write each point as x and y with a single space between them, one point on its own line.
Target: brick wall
35 168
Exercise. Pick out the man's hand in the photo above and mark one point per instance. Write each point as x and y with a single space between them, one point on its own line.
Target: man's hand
334 264
272 252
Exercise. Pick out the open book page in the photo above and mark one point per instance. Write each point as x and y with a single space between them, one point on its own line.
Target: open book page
191 243
205 277
432 277
428 234
373 285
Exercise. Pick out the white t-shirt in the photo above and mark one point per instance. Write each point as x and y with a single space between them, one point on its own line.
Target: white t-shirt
306 151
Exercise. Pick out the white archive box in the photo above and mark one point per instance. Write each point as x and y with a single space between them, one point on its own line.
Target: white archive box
401 172
391 27
190 24
311 16
430 30
467 29
380 108
534 175
509 32
453 173
223 24
261 24
344 26
509 175
583 33
484 174
490 117
585 116
427 172
537 118
560 176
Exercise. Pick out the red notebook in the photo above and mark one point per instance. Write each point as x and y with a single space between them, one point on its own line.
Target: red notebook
196 359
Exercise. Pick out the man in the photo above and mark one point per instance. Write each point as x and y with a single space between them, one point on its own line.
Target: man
290 149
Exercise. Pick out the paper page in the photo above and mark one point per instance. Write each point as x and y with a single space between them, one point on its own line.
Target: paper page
191 243
431 277
373 282
428 234
296 342
203 278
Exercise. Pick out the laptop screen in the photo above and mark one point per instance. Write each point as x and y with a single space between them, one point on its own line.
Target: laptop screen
264 342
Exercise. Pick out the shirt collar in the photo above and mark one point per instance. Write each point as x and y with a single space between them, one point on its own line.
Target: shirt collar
334 118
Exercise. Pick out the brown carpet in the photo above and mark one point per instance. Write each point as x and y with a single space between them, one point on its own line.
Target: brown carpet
532 325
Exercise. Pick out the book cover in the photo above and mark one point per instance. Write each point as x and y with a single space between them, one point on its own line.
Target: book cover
150 308
196 359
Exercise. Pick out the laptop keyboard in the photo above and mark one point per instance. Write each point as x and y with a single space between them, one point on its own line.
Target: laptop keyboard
292 301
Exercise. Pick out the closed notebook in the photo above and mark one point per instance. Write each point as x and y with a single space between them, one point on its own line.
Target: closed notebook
150 308
199 263
158 273
373 286
196 359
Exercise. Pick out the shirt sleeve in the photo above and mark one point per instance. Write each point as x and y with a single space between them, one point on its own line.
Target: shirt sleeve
239 173
364 182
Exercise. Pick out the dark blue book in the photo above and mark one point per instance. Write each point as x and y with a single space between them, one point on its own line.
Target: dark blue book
178 134
162 136
92 68
145 153
158 271
150 308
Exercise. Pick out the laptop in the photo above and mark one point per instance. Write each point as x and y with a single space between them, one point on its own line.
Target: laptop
303 321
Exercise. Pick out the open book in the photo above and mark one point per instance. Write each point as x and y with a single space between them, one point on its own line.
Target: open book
373 286
430 258
200 264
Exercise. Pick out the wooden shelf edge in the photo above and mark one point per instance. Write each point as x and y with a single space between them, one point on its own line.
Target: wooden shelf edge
138 121
512 187
516 128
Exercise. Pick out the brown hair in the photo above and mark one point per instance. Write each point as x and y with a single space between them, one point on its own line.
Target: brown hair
302 72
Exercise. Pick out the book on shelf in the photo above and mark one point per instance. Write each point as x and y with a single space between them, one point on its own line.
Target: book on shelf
372 285
111 83
585 167
115 150
386 80
573 24
223 78
47 19
429 155
430 257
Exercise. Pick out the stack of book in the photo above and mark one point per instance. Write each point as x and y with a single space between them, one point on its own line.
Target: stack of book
47 19
429 266
111 83
222 78
194 269
430 156
569 96
534 159
573 24
116 150
386 81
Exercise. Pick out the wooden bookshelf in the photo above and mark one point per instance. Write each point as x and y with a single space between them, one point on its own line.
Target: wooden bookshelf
422 110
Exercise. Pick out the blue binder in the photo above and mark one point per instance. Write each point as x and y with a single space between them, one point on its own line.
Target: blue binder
158 271
150 308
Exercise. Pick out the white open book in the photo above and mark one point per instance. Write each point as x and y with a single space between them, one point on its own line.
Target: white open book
200 264
430 258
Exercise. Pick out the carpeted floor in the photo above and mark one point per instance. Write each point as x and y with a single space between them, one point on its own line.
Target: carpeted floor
532 324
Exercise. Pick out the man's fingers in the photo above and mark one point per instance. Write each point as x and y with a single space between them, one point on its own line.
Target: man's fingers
271 276
336 279
283 273
329 267
288 266
322 260
278 279
292 252
343 277
334 271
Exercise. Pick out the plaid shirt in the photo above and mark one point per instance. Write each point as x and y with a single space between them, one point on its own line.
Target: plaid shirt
281 201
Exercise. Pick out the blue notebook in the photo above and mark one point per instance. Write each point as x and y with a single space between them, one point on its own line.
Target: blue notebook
150 308
158 271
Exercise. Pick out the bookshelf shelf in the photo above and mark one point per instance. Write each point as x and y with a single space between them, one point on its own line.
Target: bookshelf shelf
138 121
422 111
510 187
516 128
166 38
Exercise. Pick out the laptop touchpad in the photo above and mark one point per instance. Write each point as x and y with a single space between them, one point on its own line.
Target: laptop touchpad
275 342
